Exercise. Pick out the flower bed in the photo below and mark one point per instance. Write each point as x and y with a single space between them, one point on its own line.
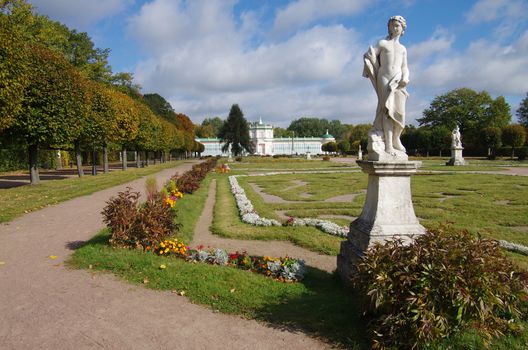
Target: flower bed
283 269
250 216
245 208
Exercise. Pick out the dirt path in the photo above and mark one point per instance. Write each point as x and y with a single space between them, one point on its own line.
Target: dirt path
203 236
44 305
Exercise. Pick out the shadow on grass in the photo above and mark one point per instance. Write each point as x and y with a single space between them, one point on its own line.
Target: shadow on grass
327 311
319 306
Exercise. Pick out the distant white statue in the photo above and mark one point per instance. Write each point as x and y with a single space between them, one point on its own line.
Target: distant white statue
360 153
386 67
456 141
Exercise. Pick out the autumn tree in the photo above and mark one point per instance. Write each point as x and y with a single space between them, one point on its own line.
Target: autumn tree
13 72
125 124
235 132
52 105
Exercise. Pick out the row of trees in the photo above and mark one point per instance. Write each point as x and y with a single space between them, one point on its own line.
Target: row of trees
58 91
484 123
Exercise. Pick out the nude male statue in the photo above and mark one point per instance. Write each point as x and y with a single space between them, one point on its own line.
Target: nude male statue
386 67
456 138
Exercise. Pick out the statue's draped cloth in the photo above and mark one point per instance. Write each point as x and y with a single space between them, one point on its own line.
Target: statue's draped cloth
391 98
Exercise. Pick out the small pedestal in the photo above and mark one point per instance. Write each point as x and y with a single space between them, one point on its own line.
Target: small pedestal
456 157
388 212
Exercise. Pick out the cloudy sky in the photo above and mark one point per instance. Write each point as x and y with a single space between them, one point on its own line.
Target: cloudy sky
281 60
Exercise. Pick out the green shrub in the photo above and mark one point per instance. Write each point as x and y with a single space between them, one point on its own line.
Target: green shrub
444 282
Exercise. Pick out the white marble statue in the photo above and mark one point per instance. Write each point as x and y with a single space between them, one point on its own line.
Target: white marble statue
456 141
386 67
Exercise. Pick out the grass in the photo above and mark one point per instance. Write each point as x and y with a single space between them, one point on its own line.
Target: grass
190 208
226 223
319 306
24 199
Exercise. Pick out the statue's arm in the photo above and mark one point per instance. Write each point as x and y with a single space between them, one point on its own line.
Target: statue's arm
405 70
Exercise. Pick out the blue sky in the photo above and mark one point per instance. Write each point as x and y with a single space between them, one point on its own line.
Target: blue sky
281 60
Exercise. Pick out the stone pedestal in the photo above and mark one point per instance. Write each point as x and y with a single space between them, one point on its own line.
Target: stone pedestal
388 212
456 157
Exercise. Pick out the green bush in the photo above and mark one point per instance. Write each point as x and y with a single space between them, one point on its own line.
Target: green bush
522 153
445 282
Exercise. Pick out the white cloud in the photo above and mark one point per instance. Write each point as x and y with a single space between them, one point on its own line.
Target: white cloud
440 42
484 65
202 69
203 58
79 14
489 10
300 13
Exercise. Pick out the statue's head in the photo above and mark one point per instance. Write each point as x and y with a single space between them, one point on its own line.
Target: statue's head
398 19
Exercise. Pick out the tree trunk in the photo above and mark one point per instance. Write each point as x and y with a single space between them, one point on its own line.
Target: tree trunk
33 165
147 158
513 153
155 157
78 158
124 158
94 161
162 158
138 160
106 168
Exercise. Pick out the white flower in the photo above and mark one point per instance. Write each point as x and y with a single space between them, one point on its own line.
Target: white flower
250 216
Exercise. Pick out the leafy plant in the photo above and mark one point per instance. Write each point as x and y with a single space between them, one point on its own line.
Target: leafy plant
137 226
444 282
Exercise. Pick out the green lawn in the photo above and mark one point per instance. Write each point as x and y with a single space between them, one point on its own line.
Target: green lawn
19 200
319 306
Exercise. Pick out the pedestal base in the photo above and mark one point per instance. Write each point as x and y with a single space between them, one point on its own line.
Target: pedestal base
456 157
388 212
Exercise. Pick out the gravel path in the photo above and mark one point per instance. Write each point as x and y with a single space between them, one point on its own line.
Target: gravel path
44 305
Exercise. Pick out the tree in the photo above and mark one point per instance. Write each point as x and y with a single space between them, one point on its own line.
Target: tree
235 132
52 106
343 146
215 123
469 109
522 112
159 106
330 147
492 138
204 131
358 135
125 124
13 72
281 132
309 127
463 107
514 136
440 138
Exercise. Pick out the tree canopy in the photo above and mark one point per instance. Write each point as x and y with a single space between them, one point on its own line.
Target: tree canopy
468 109
522 112
235 132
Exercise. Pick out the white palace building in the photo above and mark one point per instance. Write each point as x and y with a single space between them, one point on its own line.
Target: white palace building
265 144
